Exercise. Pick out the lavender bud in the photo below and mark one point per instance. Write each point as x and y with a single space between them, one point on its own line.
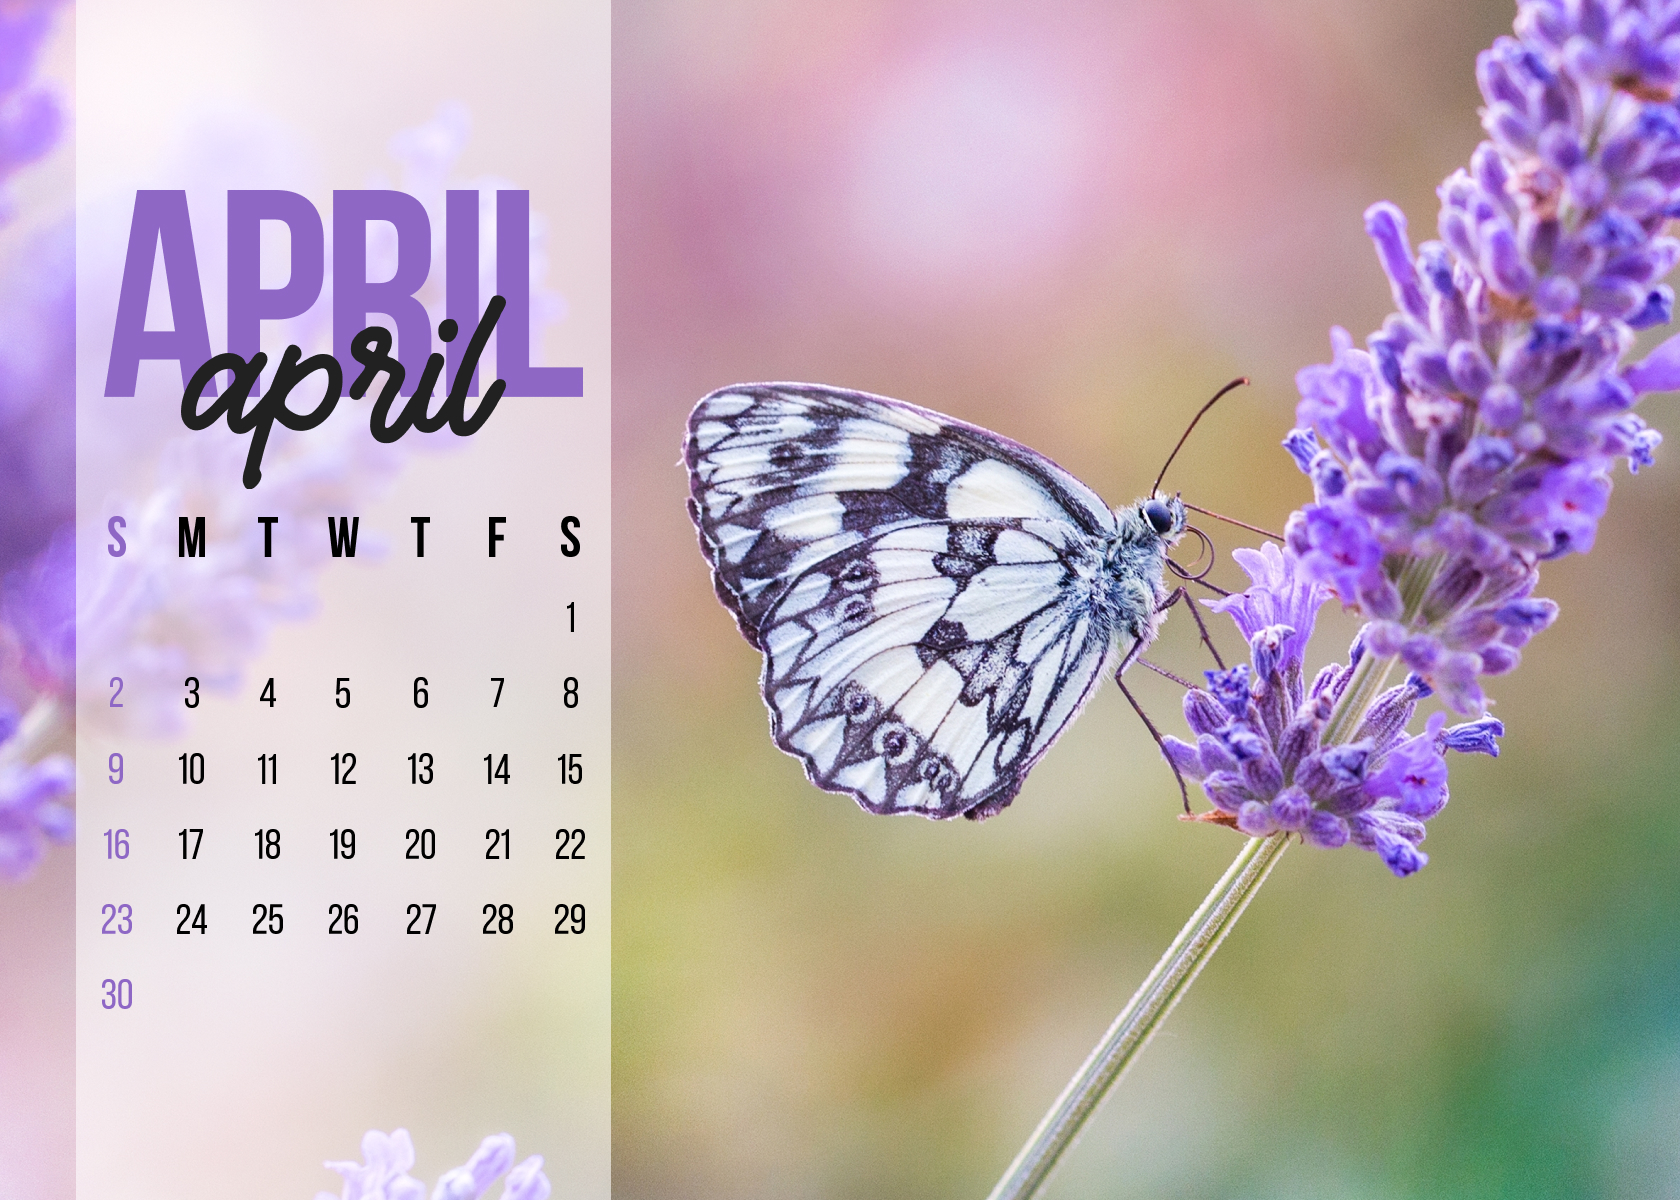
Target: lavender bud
1299 740
1612 297
1614 231
1302 445
1263 774
1588 186
1386 225
1230 688
1473 737
1560 146
1381 598
1243 743
1184 758
1329 480
1474 472
1387 716
1501 406
1455 231
1507 124
1226 792
1487 167
1451 589
1499 659
1503 262
1266 647
1532 615
1202 713
1471 368
1376 499
1529 437
1255 819
1292 809
1326 831
1642 198
1657 310
1557 295
1400 856
1425 367
1384 638
1325 681
1345 764
1658 371
527 1181
1215 755
1470 630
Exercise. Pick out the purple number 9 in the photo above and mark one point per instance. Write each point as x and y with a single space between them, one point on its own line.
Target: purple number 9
115 764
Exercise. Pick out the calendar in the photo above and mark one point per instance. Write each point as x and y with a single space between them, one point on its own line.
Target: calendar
342 558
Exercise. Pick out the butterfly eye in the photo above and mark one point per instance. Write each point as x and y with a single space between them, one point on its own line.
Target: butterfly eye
1159 516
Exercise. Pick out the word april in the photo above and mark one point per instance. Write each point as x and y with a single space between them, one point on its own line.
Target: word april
372 348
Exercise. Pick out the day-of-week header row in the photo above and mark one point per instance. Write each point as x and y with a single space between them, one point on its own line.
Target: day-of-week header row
342 533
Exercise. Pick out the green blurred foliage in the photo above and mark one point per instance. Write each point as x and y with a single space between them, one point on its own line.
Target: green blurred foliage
813 1002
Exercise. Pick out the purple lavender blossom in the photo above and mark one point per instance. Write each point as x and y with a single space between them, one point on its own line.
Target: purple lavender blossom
1472 440
389 1157
31 118
37 477
1261 753
31 810
1474 437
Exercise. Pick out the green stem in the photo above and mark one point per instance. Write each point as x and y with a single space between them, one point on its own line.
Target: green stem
1170 979
1199 938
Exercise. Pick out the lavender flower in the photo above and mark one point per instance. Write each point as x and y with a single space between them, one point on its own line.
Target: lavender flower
37 477
1471 441
31 118
389 1157
1475 436
31 812
1261 753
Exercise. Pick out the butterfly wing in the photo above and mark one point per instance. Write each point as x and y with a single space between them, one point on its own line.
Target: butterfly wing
926 593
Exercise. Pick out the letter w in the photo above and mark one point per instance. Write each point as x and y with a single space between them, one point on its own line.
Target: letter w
190 543
343 535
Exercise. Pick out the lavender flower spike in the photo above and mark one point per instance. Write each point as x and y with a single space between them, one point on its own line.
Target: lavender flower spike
1478 430
1472 440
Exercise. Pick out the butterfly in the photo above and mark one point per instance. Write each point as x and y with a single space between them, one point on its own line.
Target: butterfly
934 602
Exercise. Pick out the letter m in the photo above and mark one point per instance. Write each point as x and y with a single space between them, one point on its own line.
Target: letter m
343 536
190 543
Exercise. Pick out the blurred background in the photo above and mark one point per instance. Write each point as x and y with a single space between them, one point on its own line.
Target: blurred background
1071 222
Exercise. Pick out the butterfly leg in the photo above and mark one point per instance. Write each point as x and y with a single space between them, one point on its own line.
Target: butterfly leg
1183 791
1181 593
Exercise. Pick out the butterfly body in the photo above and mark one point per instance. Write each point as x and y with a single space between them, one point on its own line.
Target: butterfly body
934 601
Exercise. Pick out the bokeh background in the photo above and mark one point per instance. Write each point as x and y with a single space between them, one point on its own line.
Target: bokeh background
1071 222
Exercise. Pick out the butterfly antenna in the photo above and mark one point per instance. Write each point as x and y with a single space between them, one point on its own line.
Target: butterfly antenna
1277 537
1207 548
1234 384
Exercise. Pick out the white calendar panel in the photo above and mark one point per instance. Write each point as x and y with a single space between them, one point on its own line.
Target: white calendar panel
343 559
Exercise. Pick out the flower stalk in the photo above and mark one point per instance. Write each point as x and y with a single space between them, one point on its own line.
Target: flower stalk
1141 1017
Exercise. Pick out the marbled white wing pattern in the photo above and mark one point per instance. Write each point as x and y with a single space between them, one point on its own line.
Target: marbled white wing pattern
934 601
